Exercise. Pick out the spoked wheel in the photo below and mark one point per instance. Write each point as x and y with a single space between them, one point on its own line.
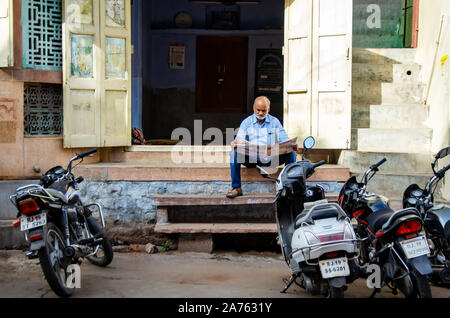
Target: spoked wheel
103 254
53 263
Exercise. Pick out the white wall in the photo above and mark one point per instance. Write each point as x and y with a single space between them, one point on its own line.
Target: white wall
433 74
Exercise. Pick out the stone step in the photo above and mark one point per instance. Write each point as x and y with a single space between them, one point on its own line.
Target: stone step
217 208
398 116
393 185
384 56
216 228
396 73
190 172
172 154
378 93
402 93
396 162
394 140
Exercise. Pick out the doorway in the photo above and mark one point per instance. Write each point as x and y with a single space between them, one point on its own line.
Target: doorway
221 84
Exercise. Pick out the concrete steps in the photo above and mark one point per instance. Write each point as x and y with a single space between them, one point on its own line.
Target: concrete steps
386 72
389 121
384 56
400 163
398 116
190 172
395 140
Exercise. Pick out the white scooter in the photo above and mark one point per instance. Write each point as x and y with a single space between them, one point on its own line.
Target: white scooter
316 237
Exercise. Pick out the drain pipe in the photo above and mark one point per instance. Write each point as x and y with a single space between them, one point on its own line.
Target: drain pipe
434 60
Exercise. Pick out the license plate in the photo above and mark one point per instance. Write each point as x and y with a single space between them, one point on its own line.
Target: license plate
415 247
335 267
31 222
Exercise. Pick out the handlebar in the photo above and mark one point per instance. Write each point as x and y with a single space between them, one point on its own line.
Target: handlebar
442 172
318 164
80 156
375 166
87 153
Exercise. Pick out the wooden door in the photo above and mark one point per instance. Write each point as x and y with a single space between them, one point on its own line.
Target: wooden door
97 73
318 61
221 84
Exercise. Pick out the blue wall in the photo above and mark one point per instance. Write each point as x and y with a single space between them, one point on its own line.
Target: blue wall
169 94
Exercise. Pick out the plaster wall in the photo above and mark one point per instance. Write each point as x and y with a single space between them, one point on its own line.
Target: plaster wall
429 54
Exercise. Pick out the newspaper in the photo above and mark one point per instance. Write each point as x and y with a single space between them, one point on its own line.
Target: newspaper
246 148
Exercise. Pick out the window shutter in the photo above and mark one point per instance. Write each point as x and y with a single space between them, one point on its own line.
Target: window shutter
6 33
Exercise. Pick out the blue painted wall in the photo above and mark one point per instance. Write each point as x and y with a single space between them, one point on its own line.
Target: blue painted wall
169 94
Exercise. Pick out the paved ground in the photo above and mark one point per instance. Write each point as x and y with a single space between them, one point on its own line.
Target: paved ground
171 274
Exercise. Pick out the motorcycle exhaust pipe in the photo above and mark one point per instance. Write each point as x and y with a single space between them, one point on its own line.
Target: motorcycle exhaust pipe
74 251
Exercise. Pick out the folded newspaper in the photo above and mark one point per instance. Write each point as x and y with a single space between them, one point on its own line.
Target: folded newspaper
264 151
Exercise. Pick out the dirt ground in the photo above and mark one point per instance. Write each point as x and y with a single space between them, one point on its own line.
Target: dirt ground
171 274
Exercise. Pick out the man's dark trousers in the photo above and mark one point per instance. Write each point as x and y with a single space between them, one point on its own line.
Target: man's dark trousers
250 162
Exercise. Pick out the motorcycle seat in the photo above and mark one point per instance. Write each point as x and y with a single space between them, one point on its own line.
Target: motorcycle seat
376 219
57 194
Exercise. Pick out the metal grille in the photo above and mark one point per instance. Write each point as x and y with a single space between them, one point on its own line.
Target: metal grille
42 35
43 110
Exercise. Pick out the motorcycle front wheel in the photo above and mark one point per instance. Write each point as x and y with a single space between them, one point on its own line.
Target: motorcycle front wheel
53 263
104 253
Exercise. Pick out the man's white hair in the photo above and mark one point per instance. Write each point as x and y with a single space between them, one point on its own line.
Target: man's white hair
264 98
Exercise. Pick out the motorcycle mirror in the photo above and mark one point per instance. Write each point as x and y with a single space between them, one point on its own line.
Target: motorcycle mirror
309 142
443 153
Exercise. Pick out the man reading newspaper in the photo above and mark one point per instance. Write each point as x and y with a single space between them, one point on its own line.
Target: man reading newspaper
261 140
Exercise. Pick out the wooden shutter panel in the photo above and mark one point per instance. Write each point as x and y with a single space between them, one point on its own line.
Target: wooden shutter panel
6 33
318 60
97 73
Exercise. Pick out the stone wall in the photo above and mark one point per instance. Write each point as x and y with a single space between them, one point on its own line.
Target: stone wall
125 202
131 202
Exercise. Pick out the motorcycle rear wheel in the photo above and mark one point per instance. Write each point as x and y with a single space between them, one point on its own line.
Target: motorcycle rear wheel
104 255
422 287
337 292
52 260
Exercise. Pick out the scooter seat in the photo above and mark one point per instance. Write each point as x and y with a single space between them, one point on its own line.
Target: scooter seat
318 214
376 219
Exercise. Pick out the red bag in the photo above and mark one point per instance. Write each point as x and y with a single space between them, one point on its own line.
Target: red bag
137 137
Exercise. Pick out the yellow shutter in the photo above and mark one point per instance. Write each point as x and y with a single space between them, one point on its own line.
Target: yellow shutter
318 61
97 73
6 33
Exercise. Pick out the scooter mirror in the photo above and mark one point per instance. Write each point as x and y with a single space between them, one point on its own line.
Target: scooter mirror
443 153
309 142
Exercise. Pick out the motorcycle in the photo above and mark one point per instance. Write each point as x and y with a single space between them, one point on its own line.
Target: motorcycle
61 230
436 220
316 237
392 240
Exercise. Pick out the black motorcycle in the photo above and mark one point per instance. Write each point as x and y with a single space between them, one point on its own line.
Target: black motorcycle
392 240
436 220
61 230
